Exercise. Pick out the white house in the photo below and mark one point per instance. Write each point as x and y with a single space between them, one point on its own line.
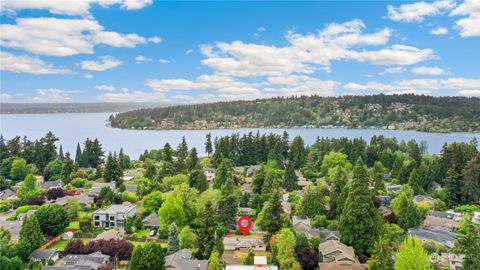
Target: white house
113 216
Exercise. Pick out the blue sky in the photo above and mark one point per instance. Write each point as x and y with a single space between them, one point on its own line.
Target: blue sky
189 52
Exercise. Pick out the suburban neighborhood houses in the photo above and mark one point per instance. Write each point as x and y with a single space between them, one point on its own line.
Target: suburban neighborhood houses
177 210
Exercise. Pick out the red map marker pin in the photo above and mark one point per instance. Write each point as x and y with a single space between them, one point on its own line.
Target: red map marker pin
244 224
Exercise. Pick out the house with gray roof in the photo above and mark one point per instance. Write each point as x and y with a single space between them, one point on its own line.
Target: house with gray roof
13 227
334 251
301 224
50 184
326 235
8 194
439 235
44 256
183 260
421 198
97 187
151 221
132 188
93 261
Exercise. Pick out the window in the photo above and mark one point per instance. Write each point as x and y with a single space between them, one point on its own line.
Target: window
97 217
112 224
112 217
97 223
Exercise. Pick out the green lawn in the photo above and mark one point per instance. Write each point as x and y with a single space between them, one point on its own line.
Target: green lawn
141 233
74 225
84 214
60 245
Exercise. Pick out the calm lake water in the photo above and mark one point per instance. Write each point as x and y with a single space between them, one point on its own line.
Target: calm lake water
76 127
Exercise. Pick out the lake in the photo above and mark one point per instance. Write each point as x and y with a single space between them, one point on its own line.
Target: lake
72 128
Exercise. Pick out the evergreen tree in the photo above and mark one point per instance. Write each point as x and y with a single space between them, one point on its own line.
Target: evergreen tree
31 232
67 168
271 219
228 203
407 212
453 186
198 180
223 173
60 153
471 182
382 256
192 160
360 222
469 244
150 170
208 144
415 182
378 178
112 171
206 231
412 256
339 180
78 156
186 237
173 240
167 153
297 152
147 257
313 201
289 178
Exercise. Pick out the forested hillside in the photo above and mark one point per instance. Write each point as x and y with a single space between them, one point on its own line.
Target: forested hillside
409 112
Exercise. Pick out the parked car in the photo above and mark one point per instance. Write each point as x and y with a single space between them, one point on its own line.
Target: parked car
153 232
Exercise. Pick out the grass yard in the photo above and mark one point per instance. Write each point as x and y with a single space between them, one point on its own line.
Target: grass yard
164 245
141 233
60 245
84 214
74 225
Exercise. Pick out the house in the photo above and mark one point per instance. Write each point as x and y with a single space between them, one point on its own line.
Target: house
93 261
13 227
455 261
151 222
441 219
259 263
244 243
301 224
82 198
183 260
8 194
334 251
50 184
424 199
115 233
113 216
326 235
476 217
439 235
209 173
132 188
97 187
44 256
393 188
383 200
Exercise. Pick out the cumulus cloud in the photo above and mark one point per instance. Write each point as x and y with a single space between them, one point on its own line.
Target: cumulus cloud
469 26
5 97
62 37
469 93
416 12
439 31
163 61
424 86
105 87
28 64
77 7
393 70
104 63
52 95
429 70
132 96
140 59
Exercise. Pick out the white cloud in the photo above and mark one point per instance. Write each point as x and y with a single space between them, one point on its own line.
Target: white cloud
416 85
439 31
294 85
259 31
469 93
88 76
28 64
77 7
155 39
140 58
416 12
163 61
104 63
429 70
469 26
189 51
309 53
105 87
5 97
62 37
52 95
135 96
393 70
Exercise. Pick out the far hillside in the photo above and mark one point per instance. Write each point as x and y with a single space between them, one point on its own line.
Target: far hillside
403 112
